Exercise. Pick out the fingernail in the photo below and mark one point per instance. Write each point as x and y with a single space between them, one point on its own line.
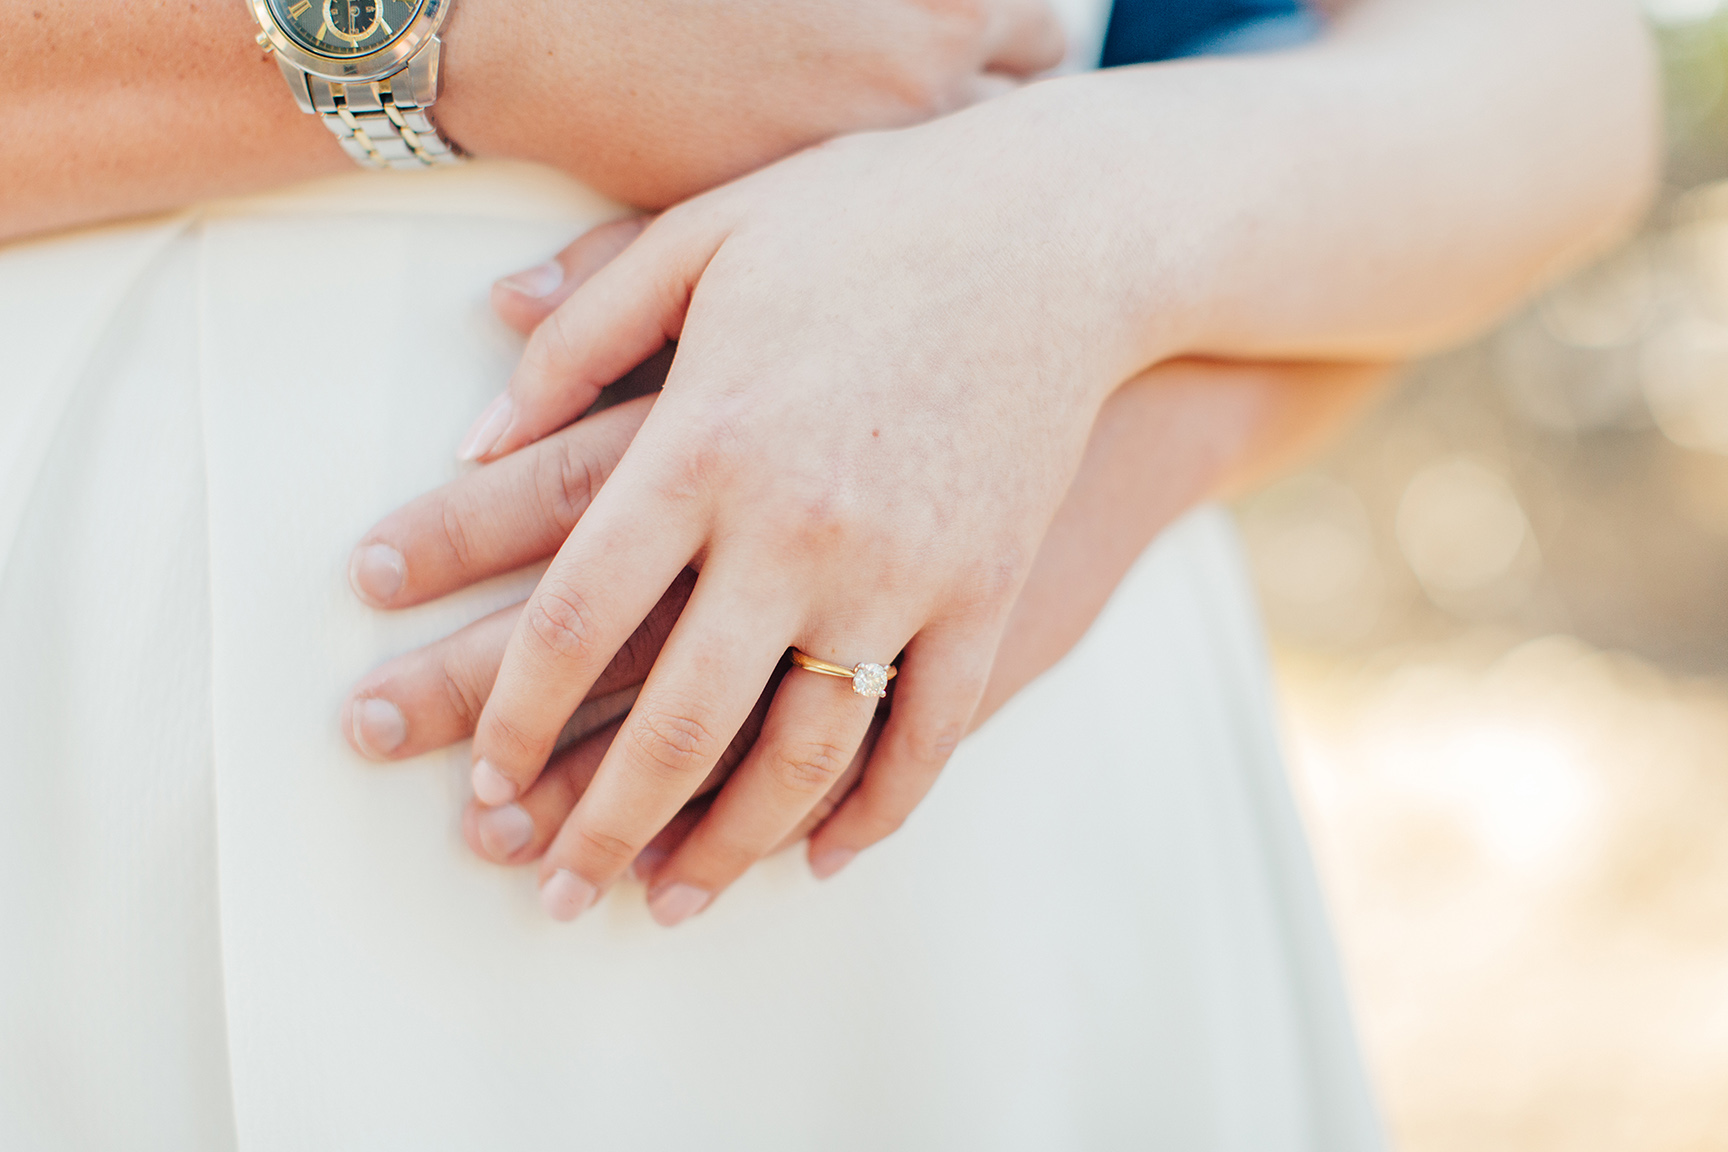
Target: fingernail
376 573
504 831
647 863
487 430
379 728
491 787
540 280
566 895
677 903
831 861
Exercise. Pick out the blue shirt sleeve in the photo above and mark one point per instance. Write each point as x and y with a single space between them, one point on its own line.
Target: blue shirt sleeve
1142 31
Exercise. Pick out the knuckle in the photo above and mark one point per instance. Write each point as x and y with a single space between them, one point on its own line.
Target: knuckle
454 529
565 481
954 39
613 853
501 731
561 620
701 465
819 514
931 746
928 93
987 590
556 344
810 768
962 41
675 745
815 515
460 692
879 819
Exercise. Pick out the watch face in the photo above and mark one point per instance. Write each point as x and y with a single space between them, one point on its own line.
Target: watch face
344 27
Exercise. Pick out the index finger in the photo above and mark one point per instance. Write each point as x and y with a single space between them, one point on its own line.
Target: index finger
496 519
628 549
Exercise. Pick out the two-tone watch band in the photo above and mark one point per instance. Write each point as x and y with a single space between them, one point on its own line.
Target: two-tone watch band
380 123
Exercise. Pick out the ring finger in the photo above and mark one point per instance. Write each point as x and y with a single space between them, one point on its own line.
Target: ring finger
809 740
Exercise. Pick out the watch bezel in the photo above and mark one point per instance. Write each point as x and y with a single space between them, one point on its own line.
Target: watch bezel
361 69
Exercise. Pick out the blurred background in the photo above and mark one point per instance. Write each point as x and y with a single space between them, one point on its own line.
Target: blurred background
1500 617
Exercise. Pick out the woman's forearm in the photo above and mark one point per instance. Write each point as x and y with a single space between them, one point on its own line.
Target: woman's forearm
1377 195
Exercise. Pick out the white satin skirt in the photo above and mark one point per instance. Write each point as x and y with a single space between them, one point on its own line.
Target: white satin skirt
220 929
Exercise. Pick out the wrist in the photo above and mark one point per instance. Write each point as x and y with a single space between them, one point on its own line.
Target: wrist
1127 255
478 85
577 87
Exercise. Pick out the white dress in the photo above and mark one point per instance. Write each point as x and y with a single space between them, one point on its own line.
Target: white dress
220 929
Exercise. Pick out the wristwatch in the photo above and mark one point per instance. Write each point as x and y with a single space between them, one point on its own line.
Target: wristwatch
369 68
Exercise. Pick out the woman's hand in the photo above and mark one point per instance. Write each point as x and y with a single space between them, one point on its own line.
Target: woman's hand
492 521
432 574
884 383
881 395
1165 440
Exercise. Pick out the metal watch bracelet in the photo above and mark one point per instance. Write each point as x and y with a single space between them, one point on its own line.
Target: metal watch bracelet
380 123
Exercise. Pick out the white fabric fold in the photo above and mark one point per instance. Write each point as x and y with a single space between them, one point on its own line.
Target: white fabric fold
221 929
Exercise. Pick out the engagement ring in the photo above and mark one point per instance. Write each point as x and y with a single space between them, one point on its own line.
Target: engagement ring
867 679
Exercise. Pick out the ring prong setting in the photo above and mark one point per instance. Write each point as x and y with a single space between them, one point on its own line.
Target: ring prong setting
870 680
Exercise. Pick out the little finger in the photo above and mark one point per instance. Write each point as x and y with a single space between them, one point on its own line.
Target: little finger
942 678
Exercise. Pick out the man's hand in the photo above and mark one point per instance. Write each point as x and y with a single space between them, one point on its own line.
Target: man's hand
653 101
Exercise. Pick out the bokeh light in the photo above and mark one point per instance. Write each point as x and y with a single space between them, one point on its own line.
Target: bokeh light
1500 619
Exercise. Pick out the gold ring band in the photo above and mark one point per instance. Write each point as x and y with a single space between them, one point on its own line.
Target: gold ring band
867 679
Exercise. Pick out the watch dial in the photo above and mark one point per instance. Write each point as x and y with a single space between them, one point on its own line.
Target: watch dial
344 27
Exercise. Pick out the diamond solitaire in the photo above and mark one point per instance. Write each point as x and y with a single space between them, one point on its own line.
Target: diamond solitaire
870 680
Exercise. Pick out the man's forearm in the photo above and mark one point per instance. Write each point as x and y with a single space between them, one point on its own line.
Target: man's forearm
1181 433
